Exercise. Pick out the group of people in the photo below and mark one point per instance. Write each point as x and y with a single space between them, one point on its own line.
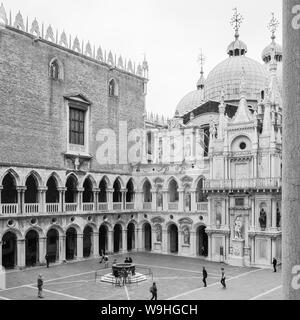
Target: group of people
205 275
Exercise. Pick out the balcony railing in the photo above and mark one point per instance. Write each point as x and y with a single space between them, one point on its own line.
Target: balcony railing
70 207
88 206
173 206
102 206
52 207
129 205
258 183
117 205
9 208
202 206
32 207
147 205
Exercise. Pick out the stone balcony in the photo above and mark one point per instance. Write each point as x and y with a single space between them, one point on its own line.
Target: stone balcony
243 184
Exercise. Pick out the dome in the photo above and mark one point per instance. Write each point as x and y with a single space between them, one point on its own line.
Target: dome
190 101
226 77
266 54
237 48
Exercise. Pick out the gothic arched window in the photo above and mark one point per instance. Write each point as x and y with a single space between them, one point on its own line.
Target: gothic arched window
113 88
56 69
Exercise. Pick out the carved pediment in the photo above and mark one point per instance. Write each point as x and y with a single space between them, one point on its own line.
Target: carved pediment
185 221
79 98
157 220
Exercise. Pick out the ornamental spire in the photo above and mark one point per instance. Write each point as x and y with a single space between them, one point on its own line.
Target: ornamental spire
273 26
236 22
201 60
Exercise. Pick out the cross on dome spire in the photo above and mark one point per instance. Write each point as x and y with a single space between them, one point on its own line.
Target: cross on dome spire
273 26
201 60
236 22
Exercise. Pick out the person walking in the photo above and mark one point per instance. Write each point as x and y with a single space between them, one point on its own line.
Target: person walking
153 290
223 278
40 283
204 276
47 258
274 264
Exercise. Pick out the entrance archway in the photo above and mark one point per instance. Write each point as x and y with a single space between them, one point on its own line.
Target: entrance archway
147 237
103 233
202 242
87 241
173 238
130 237
9 250
71 243
52 245
32 248
117 238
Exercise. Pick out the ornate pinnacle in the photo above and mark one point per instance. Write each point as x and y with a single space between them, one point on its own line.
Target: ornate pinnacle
201 60
273 26
236 21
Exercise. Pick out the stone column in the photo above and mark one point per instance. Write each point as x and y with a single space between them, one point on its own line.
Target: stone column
62 192
193 200
154 199
96 195
79 246
109 193
252 213
79 199
62 248
193 239
138 200
42 199
124 241
1 188
209 246
42 249
95 244
181 204
138 239
21 253
0 253
165 200
274 215
252 250
291 150
165 241
123 200
110 241
136 243
21 199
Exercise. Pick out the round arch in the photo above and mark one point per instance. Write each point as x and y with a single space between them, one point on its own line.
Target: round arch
173 233
9 249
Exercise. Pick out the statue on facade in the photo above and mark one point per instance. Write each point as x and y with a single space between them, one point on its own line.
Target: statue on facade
238 225
263 219
158 231
278 218
186 235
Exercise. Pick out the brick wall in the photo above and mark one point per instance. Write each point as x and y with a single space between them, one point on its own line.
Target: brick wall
33 115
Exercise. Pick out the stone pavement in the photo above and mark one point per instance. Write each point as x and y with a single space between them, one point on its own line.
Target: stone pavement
177 278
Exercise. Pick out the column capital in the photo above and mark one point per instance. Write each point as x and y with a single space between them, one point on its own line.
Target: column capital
21 188
1 187
43 189
62 188
96 190
80 189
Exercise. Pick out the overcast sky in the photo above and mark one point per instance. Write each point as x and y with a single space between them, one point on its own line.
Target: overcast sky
170 32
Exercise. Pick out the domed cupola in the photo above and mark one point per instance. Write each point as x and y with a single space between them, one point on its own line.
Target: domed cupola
237 47
267 52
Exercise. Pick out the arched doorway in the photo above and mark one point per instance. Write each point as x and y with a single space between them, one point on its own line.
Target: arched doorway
173 238
52 245
103 232
130 237
71 243
147 237
9 250
117 238
87 241
202 242
32 248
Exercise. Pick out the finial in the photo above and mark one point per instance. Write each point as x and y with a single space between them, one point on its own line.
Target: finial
201 60
273 26
236 22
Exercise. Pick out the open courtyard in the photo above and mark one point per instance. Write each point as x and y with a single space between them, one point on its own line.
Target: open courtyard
177 278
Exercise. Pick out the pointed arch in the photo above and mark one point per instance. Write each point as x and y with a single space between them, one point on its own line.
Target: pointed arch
56 176
56 69
14 174
36 176
91 179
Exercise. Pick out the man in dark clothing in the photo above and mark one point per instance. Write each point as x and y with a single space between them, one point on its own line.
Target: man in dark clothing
47 258
153 290
204 276
40 283
223 278
274 264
